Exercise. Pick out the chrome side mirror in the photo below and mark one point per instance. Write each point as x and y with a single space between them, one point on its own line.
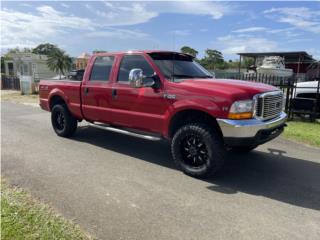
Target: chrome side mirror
138 80
136 77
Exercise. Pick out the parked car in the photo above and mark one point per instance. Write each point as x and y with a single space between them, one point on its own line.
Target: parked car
158 95
76 74
306 89
58 77
306 100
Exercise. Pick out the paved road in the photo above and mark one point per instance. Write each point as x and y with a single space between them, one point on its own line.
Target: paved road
118 187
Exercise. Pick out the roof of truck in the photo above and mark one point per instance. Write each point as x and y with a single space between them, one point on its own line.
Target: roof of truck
138 51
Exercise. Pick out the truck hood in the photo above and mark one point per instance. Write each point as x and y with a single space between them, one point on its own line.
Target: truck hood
234 88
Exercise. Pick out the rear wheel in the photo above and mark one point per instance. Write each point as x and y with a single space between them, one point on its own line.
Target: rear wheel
63 123
198 150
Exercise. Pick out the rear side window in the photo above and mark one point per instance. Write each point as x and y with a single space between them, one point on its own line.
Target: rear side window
102 68
133 61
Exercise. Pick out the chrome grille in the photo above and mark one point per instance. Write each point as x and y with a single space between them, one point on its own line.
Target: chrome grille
269 105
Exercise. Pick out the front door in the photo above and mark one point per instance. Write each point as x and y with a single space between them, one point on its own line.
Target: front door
96 91
138 108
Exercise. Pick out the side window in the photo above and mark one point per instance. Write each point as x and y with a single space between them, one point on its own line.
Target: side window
101 68
133 61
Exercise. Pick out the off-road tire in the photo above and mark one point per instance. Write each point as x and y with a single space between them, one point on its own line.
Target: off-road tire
214 148
69 126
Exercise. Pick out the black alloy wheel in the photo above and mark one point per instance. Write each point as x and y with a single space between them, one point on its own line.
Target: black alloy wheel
63 123
198 149
59 120
194 151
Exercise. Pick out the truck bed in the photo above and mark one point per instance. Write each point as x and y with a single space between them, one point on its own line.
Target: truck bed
67 89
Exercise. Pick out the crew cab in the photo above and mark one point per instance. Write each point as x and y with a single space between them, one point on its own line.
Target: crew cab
159 95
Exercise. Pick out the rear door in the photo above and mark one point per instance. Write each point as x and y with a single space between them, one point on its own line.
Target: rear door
138 108
96 90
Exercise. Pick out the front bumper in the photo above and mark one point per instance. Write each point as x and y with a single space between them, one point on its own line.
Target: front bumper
251 131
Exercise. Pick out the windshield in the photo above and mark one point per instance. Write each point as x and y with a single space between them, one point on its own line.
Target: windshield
177 67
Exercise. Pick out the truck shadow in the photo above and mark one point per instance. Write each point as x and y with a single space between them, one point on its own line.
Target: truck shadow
276 176
272 175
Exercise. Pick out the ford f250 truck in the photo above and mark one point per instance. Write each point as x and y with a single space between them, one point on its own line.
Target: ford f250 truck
158 95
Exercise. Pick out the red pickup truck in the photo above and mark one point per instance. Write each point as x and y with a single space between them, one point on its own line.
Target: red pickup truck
167 95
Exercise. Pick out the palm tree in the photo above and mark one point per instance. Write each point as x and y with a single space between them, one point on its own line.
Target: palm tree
59 62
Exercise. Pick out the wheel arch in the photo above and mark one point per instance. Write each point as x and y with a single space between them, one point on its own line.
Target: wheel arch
187 116
56 99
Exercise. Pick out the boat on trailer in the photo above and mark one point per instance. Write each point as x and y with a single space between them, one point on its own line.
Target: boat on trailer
274 66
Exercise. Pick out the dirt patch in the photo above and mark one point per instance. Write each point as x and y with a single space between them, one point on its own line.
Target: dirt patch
16 97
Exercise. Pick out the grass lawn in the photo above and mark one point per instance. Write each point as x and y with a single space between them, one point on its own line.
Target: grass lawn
15 96
304 132
23 217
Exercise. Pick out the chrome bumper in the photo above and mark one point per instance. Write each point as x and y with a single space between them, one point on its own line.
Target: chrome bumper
248 128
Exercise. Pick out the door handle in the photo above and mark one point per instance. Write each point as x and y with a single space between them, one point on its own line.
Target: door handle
86 90
114 93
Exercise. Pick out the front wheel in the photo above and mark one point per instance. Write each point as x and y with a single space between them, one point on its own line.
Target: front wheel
63 123
198 150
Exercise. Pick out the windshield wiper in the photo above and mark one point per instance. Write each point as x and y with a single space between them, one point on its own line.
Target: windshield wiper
204 76
190 76
181 76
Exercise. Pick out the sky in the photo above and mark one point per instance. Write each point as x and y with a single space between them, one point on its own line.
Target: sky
230 27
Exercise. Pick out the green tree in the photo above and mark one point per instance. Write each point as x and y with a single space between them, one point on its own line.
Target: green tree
59 62
189 50
214 57
44 49
233 64
247 62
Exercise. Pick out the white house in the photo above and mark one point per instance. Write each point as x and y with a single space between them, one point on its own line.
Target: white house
29 67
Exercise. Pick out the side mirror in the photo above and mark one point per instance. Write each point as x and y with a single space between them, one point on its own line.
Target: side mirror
136 77
138 80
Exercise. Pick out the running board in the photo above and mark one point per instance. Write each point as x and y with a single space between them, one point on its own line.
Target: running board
126 132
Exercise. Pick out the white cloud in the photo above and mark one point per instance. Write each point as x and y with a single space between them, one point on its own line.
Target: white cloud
299 17
24 29
20 29
64 5
286 32
250 29
119 34
180 32
232 44
25 5
132 13
215 10
119 14
47 24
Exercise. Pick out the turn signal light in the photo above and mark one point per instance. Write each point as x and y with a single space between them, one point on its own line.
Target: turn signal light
237 116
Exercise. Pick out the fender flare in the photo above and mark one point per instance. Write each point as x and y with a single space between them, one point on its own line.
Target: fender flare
203 105
57 92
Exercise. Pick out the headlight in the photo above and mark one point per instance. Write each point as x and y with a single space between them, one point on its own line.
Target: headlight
241 110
